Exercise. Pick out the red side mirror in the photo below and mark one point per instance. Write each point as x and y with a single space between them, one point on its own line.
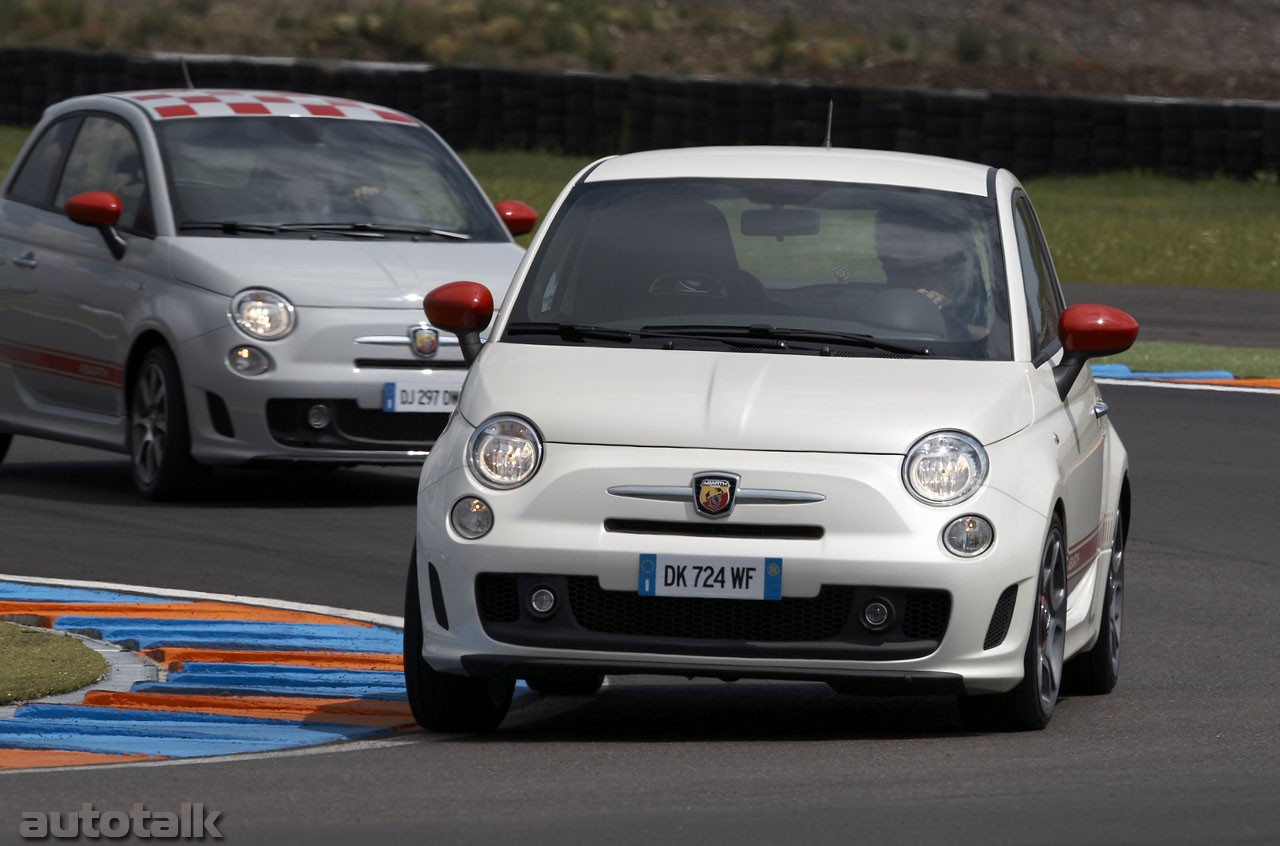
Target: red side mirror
94 208
459 307
518 217
463 308
1096 330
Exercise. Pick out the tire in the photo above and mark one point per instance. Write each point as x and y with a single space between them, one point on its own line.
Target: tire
1095 672
159 434
565 682
1029 706
445 702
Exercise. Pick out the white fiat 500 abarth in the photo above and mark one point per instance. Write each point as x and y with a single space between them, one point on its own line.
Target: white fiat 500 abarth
775 413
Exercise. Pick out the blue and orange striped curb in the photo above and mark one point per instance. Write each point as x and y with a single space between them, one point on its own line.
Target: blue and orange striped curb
232 678
1223 378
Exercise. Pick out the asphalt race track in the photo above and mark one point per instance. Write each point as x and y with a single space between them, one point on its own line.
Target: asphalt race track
1186 751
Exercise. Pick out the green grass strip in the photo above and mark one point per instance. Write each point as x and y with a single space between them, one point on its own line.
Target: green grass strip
1171 356
40 663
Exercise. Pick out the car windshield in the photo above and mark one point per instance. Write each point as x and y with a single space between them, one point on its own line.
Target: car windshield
770 265
381 177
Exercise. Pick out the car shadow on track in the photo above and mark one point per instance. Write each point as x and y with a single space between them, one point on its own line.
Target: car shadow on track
107 482
667 711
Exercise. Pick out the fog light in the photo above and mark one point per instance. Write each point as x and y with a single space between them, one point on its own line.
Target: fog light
319 416
968 536
542 602
471 517
249 361
877 614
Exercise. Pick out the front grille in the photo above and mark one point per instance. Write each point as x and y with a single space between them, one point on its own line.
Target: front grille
624 613
407 364
832 617
706 529
498 597
926 614
353 427
1000 619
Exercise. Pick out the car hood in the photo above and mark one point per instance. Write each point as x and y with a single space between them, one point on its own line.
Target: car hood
342 273
754 401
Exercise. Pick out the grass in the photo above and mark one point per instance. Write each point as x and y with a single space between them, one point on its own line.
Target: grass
1144 229
1115 228
1171 356
39 663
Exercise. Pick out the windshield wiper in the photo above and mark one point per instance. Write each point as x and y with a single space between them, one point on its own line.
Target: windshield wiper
782 333
229 227
376 229
571 331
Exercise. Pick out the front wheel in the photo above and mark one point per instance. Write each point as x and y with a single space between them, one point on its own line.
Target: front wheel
1030 705
443 701
1096 671
159 434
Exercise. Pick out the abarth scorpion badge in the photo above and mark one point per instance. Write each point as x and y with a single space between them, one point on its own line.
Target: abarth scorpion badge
714 493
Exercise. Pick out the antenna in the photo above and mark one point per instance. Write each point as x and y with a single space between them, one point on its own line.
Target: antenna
831 112
186 72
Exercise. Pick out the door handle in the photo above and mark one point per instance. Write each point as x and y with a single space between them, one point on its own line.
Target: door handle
1100 409
27 260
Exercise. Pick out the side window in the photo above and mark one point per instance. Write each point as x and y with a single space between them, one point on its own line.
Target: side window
105 157
1044 305
34 182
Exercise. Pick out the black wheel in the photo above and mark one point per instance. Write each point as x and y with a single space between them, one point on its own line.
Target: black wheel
442 701
159 436
1030 705
1096 671
565 682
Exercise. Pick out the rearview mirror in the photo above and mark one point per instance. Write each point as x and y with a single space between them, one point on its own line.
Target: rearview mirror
779 222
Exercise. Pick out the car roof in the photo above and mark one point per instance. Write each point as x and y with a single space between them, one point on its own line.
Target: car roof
875 167
169 103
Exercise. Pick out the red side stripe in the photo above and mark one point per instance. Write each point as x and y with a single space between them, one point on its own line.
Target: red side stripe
58 363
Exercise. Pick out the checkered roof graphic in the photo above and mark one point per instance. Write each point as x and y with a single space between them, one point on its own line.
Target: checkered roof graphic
189 103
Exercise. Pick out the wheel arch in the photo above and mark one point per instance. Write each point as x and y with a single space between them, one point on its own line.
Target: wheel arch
143 344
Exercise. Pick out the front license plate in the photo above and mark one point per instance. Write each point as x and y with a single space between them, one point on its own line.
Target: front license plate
710 577
399 396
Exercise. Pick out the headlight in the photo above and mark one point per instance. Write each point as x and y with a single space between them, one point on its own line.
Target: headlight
262 314
944 468
505 452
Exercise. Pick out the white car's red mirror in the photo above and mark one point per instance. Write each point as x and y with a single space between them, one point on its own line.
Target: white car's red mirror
1090 331
1096 330
518 217
463 308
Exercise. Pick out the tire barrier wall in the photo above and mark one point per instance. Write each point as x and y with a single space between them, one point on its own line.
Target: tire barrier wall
597 114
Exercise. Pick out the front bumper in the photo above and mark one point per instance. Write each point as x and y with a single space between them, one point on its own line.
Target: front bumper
238 419
872 539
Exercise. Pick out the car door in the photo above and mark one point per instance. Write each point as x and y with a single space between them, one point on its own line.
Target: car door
63 325
1084 422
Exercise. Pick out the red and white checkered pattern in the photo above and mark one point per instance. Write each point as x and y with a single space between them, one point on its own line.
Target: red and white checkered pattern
188 103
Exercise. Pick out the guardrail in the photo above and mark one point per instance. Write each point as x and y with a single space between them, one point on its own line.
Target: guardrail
598 114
